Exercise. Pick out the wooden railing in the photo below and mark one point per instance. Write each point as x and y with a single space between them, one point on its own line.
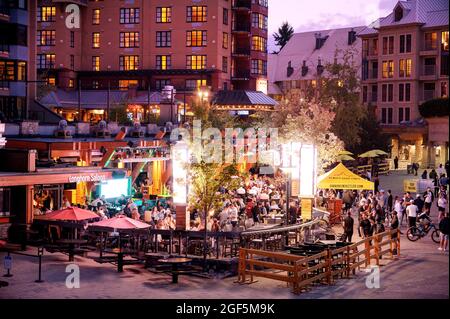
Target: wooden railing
325 267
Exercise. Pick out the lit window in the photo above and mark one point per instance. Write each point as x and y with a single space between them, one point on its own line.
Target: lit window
430 41
196 62
129 62
129 39
195 84
46 37
444 41
163 62
96 39
46 61
259 44
96 16
196 14
51 81
95 63
71 83
163 39
164 14
46 14
225 40
125 84
388 69
196 38
130 15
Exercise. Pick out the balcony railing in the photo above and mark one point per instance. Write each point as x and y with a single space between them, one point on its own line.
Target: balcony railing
429 94
429 46
246 4
4 48
245 74
429 70
241 27
241 51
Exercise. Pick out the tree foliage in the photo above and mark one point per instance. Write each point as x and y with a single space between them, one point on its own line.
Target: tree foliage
284 34
119 114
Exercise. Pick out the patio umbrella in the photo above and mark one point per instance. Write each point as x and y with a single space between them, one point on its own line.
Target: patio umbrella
264 196
345 153
118 223
345 157
240 191
70 214
372 153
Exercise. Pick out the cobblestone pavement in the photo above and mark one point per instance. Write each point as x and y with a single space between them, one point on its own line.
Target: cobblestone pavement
421 272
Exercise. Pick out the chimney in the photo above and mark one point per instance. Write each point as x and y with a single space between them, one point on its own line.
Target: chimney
351 36
290 69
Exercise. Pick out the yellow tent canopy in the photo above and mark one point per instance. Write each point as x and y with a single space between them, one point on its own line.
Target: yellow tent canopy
341 177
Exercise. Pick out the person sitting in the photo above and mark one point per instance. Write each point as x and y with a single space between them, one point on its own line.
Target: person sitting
424 221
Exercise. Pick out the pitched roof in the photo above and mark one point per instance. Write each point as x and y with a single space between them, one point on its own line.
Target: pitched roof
243 98
428 13
301 47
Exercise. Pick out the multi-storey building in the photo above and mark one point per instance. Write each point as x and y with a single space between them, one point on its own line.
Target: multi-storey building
17 53
405 63
149 44
300 65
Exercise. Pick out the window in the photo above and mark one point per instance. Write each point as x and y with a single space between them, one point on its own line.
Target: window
259 21
364 94
263 3
125 84
374 93
430 41
160 84
129 39
196 14
444 65
72 62
196 62
224 64
195 84
128 62
95 63
225 16
390 92
444 41
398 14
195 38
388 69
384 93
164 14
259 44
72 39
96 16
13 71
96 39
405 43
404 67
404 114
163 39
386 115
259 67
51 80
429 66
46 14
71 83
95 84
46 61
408 92
388 45
400 115
163 62
401 92
387 93
130 15
444 89
429 91
225 40
46 37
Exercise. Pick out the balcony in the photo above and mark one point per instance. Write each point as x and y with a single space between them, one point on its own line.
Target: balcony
242 4
79 2
428 72
4 13
241 52
428 49
241 75
241 28
4 50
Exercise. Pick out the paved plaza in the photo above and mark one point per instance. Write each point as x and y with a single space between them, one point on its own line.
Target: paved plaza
420 272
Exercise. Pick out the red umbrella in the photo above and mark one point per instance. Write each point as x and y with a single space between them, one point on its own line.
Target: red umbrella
120 222
71 214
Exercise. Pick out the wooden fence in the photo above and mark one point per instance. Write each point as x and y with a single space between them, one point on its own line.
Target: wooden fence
300 272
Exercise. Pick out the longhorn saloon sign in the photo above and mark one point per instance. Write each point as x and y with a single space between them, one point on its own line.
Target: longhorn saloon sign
87 178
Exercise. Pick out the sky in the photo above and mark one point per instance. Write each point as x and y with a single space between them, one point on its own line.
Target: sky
311 15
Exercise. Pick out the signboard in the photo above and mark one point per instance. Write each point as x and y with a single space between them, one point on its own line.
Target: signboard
295 187
306 204
8 262
410 185
87 178
261 85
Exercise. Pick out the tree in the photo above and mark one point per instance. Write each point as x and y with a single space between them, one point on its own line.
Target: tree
119 114
283 35
371 135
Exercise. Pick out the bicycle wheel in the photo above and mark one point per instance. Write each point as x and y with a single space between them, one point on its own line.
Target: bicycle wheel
436 236
413 234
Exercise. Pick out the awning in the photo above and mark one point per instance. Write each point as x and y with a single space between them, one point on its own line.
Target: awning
341 177
243 100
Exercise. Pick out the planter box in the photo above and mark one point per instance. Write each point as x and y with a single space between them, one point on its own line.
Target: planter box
29 128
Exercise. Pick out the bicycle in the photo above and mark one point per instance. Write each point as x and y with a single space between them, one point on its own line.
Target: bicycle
418 231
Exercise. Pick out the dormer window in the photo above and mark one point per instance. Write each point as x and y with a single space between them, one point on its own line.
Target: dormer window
398 14
290 69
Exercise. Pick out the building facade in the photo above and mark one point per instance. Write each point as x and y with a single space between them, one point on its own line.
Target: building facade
300 65
151 44
405 63
17 55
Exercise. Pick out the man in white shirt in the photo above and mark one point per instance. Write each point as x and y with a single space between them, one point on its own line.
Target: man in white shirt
412 210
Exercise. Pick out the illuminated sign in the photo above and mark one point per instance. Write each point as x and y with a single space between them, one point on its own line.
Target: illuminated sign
261 85
86 178
180 158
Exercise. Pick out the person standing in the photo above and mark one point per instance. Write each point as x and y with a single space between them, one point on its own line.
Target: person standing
419 203
425 174
442 206
396 163
428 199
394 225
412 210
348 227
444 226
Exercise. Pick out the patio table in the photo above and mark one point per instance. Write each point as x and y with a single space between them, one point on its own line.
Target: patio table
175 262
72 243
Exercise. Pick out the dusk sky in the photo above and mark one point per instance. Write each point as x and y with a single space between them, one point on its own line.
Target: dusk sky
310 15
